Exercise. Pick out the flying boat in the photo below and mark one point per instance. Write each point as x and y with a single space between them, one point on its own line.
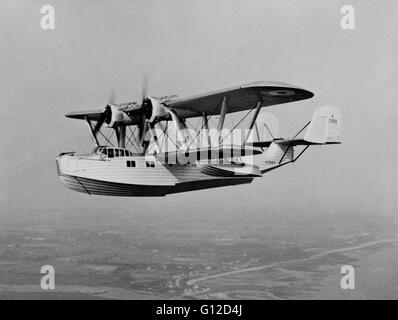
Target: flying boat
156 151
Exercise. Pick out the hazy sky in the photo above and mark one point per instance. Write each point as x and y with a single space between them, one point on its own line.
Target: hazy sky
188 47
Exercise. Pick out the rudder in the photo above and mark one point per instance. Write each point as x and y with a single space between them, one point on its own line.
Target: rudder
325 125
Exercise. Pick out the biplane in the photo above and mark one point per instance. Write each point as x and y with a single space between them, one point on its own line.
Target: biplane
156 150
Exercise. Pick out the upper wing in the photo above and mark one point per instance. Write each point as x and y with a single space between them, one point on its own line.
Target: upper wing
239 98
97 114
89 115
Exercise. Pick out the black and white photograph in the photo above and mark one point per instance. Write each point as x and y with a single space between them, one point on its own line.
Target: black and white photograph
206 151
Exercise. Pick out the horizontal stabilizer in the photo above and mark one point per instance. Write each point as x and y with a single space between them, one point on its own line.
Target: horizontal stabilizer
302 142
291 142
324 128
260 144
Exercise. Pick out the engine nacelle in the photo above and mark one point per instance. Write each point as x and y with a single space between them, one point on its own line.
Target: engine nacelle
158 110
152 109
115 117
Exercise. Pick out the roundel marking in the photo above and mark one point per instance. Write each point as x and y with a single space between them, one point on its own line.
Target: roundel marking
281 93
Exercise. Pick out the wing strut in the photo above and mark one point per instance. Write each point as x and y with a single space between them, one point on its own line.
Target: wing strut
206 126
256 112
182 135
155 137
222 118
296 158
122 137
92 132
291 144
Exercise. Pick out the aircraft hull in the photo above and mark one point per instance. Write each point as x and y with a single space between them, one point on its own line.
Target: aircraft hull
112 178
97 187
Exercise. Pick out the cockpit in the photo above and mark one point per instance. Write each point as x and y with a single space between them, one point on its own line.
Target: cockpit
112 152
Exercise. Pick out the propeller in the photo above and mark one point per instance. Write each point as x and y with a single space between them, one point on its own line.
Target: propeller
145 105
142 129
142 112
112 97
144 87
106 115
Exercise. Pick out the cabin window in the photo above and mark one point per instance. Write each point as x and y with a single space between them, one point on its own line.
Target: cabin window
114 152
150 164
130 164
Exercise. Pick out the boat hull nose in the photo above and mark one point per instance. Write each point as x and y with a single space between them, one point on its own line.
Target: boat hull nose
72 183
106 188
62 162
66 179
71 175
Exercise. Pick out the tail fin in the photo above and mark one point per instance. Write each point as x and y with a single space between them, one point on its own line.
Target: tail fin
325 125
324 128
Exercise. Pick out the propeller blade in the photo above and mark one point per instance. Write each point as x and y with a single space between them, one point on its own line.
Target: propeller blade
145 106
142 128
112 97
144 87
